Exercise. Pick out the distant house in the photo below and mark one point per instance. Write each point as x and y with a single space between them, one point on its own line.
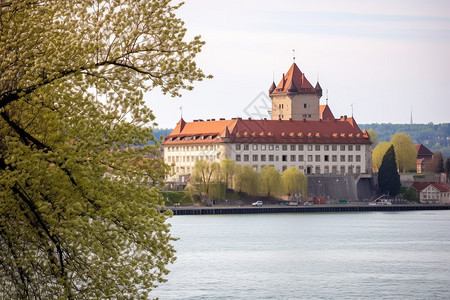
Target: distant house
424 158
432 192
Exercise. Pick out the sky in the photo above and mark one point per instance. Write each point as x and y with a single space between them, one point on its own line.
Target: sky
379 60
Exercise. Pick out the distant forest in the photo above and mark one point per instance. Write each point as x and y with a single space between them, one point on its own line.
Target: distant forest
435 137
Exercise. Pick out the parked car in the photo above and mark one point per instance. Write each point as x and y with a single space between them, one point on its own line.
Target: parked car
257 203
292 203
307 204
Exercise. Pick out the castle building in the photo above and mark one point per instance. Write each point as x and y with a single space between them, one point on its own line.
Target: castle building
302 133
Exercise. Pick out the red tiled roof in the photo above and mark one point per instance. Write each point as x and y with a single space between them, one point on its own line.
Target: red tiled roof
422 150
325 113
419 186
334 131
294 82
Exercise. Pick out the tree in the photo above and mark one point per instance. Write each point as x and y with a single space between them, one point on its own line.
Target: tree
378 154
388 177
205 176
294 181
405 152
437 163
447 169
247 180
270 181
373 137
228 167
78 218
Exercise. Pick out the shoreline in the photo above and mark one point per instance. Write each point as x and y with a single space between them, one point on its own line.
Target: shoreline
270 209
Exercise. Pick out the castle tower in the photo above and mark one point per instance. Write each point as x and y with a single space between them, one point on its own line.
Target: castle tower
294 97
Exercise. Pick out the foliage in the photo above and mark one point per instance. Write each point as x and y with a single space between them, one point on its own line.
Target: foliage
77 216
172 197
447 169
433 136
378 154
411 194
373 137
228 167
294 181
204 177
270 180
437 163
247 180
405 152
388 177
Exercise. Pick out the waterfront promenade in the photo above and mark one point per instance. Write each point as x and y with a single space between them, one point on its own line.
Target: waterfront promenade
220 210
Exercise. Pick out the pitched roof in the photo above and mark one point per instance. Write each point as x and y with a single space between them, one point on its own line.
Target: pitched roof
420 186
325 113
334 131
272 88
422 150
294 82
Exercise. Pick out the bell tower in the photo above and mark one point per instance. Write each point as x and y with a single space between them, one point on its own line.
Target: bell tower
294 97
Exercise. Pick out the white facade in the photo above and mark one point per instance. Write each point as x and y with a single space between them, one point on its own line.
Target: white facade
432 195
308 158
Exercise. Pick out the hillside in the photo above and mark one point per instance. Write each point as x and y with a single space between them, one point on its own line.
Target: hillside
435 137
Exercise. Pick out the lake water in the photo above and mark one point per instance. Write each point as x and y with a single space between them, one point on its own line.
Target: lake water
373 255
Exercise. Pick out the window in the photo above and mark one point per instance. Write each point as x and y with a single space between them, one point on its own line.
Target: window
309 147
284 147
358 147
277 147
334 158
317 157
350 158
263 147
284 158
271 157
255 147
292 157
300 158
317 147
326 158
326 170
350 169
358 169
350 147
342 170
255 157
334 147
246 146
270 147
309 157
292 147
284 168
342 157
263 157
326 147
300 147
277 158
334 169
304 105
358 158
317 170
342 147
246 157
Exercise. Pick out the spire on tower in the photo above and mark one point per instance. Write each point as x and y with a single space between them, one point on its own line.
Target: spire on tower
293 51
